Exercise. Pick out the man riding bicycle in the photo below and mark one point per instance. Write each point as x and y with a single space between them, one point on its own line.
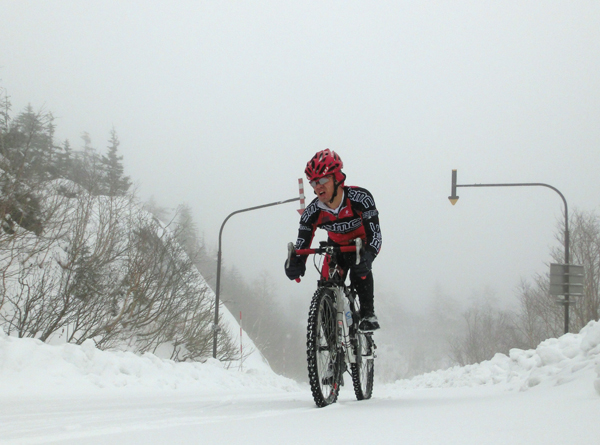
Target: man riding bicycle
346 212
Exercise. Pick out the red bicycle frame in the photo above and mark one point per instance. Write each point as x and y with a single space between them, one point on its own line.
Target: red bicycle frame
326 249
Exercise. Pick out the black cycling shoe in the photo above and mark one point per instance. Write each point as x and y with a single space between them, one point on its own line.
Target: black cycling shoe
369 323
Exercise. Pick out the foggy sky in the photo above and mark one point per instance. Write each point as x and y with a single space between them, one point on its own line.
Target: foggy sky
221 104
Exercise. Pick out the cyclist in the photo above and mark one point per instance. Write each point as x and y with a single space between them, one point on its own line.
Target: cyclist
346 212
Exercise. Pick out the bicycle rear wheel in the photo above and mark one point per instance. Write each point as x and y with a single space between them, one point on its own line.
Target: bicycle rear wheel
321 348
363 369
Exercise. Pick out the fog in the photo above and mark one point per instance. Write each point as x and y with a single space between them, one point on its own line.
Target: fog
220 105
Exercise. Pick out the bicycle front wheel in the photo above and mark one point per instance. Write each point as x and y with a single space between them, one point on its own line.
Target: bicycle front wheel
321 348
363 369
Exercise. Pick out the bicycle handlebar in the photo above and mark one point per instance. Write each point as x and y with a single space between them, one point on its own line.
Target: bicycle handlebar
321 250
325 249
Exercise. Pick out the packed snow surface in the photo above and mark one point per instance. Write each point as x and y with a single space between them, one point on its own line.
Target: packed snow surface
79 394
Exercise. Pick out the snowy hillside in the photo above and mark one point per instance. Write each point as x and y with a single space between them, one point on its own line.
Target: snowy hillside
107 270
79 394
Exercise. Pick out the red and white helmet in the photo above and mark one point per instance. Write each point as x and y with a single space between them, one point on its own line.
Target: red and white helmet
323 163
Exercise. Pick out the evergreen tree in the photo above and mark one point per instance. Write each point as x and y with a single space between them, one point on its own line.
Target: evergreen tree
36 147
160 212
115 183
27 152
186 234
4 116
27 144
87 167
64 160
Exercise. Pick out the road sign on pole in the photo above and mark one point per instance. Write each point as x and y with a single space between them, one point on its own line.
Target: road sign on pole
566 279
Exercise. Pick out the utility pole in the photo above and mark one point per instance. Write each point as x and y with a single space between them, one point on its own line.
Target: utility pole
218 287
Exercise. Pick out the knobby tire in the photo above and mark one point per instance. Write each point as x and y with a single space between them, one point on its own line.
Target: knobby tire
363 370
321 348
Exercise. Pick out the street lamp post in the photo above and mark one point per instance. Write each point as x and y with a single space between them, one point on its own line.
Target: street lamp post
218 287
454 198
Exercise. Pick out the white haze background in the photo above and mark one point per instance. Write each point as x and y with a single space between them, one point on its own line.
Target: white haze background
220 105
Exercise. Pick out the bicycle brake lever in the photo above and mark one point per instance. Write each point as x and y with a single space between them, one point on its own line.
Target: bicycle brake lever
358 243
291 250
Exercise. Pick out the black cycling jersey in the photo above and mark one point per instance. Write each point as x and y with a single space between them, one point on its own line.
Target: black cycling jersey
356 217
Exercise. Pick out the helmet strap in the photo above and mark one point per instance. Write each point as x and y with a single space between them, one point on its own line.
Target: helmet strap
334 193
336 184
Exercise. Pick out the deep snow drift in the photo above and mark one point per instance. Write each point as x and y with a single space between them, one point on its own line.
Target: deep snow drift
77 394
29 367
553 362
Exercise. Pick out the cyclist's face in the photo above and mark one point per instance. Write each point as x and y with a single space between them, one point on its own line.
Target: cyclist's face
325 191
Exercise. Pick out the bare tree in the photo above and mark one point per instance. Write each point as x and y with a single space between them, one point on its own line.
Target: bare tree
585 250
488 330
540 316
116 275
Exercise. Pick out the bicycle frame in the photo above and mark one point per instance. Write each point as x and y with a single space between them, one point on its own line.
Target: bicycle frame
332 277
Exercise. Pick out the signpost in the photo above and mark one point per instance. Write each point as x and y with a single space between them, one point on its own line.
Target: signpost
566 279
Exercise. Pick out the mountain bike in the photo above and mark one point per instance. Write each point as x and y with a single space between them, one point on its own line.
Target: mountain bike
333 340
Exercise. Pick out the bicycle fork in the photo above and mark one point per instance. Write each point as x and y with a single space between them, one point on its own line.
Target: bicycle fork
343 331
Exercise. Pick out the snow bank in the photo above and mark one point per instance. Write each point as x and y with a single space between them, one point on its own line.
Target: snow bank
555 361
30 367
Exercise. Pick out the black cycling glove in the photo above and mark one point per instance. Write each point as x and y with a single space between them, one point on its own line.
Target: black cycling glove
363 268
296 268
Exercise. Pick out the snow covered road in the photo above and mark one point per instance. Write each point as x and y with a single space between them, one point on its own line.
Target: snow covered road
77 394
566 414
